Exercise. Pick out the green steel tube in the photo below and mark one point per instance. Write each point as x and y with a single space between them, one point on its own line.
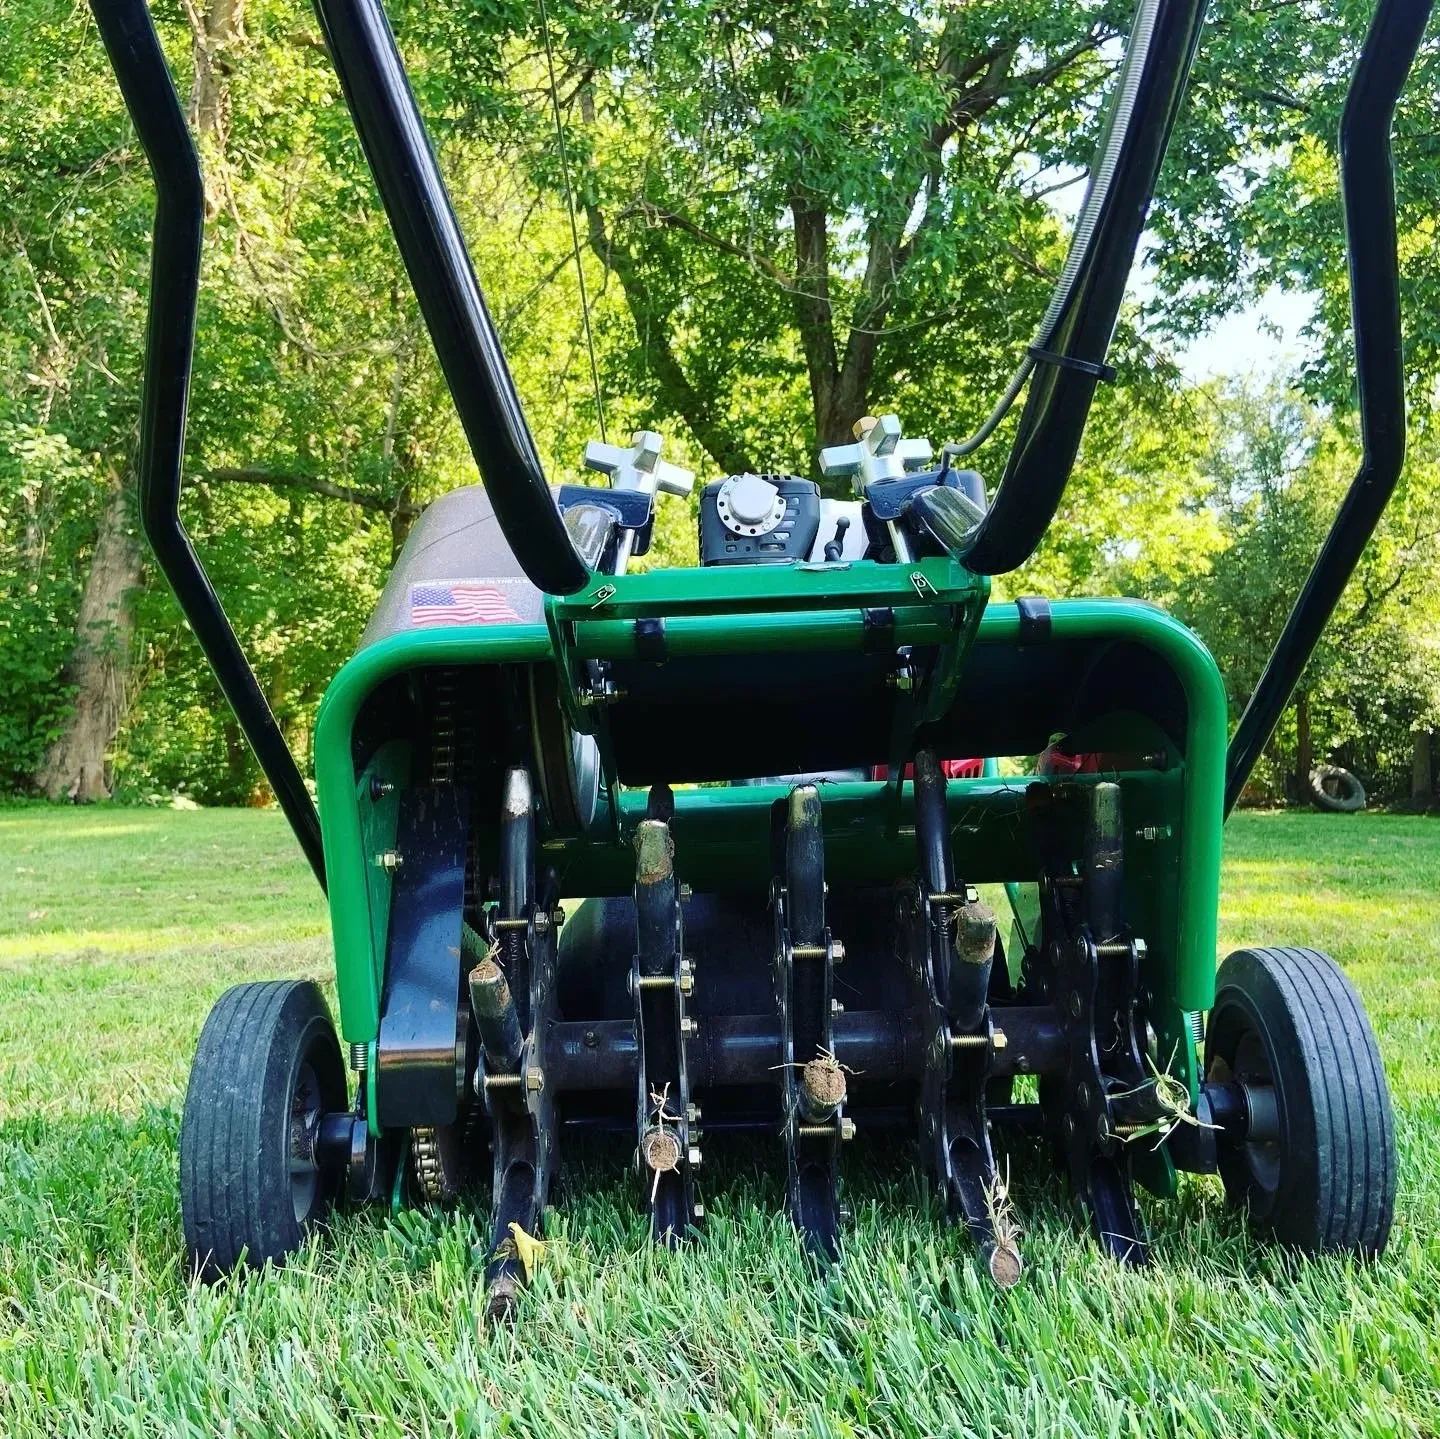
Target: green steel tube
1202 809
800 632
1188 985
357 967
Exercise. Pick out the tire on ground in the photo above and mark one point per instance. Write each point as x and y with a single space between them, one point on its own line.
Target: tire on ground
1328 1183
261 1042
1346 795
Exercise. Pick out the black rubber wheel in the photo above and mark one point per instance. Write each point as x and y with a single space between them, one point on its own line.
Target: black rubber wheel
1289 1025
267 1067
1336 789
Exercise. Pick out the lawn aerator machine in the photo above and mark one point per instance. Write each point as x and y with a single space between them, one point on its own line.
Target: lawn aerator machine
768 935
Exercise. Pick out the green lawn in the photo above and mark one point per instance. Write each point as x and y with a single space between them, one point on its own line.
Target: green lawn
118 929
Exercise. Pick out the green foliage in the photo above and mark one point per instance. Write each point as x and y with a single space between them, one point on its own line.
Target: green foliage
788 216
48 494
1277 473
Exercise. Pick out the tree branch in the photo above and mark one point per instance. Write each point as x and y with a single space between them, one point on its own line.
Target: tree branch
652 330
327 489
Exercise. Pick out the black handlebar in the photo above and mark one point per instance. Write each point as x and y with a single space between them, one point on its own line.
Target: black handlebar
1063 383
397 147
139 64
1367 184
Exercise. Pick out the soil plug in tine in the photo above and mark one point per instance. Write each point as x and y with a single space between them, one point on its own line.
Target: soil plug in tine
822 1090
974 953
502 1298
496 1017
1004 1263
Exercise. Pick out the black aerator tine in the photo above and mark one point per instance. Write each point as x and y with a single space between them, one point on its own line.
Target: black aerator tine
957 936
812 1081
519 999
662 980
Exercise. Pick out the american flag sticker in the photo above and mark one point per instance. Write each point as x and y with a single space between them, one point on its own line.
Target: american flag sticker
460 602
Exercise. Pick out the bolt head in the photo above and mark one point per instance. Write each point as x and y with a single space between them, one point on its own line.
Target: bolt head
837 952
534 1079
998 1040
692 1114
699 1212
1141 950
836 1007
685 893
694 1156
541 921
847 1128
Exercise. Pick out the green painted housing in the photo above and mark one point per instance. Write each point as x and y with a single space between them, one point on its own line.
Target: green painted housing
1113 675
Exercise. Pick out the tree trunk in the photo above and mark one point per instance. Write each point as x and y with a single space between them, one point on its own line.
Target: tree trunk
99 665
1304 745
216 32
1421 775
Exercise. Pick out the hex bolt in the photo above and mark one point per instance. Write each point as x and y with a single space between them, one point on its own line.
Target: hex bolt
389 860
836 1007
534 1079
1141 950
694 1156
685 893
699 1212
847 1128
542 923
692 1114
687 977
837 952
998 1040
689 1028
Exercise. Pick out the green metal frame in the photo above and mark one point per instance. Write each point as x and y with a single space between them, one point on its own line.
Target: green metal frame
1176 875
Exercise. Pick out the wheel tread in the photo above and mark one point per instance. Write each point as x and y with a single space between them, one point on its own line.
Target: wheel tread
226 1215
1351 1202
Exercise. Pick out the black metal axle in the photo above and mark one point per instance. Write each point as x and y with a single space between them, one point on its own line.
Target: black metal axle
729 1051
